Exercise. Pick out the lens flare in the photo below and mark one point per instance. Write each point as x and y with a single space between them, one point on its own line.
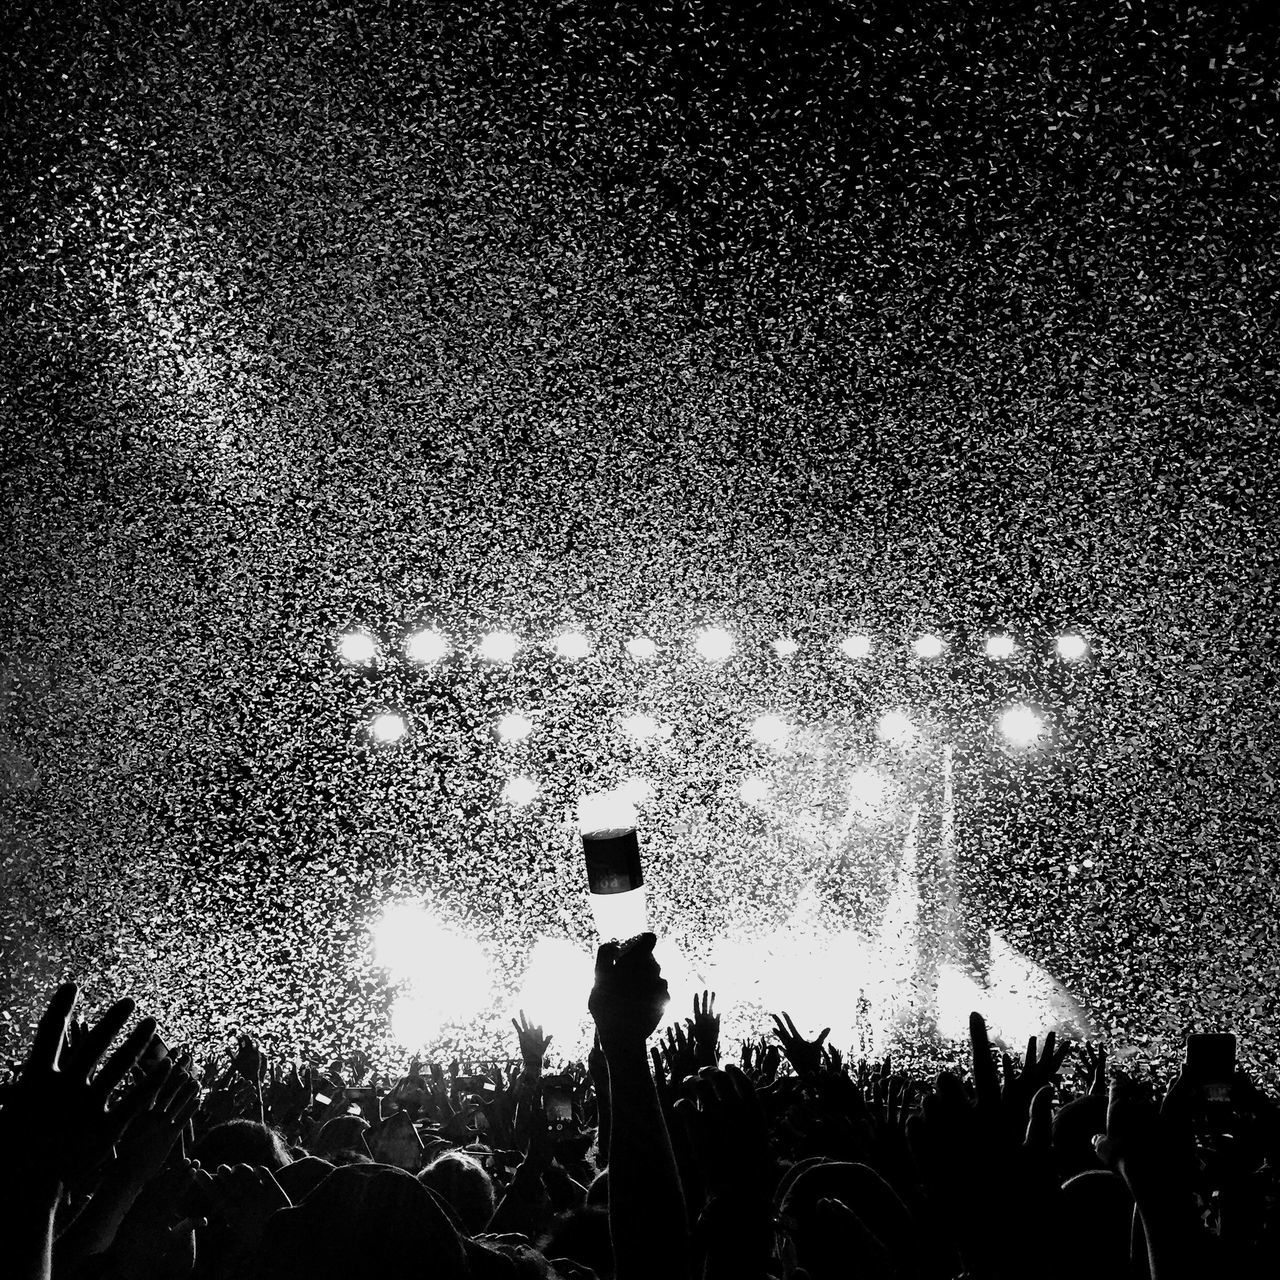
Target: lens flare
928 646
1071 648
1021 726
499 646
856 646
513 727
641 648
770 730
753 790
388 727
999 646
520 791
714 644
357 648
641 727
784 647
895 727
572 645
425 646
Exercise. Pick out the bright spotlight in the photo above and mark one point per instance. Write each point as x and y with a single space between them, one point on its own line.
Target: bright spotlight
894 726
866 789
770 731
551 993
513 727
425 646
398 934
784 647
928 647
429 1004
499 646
357 648
753 790
640 726
520 791
1000 646
636 789
714 644
388 727
856 646
641 648
1021 725
572 645
1072 647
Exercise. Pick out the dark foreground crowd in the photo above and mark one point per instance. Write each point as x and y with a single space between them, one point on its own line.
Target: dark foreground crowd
643 1163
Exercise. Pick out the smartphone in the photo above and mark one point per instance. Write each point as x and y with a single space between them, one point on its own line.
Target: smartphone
365 1098
1211 1067
557 1105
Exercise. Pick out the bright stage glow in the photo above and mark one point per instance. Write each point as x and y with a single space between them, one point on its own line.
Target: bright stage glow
513 727
397 936
783 647
425 646
641 727
572 645
770 731
1000 646
357 648
423 951
753 790
1021 725
856 646
714 644
896 727
499 646
388 727
928 647
520 791
866 789
1072 647
554 992
636 789
641 648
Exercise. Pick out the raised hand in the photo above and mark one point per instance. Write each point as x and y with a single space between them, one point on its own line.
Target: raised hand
630 994
727 1131
153 1135
1095 1063
1011 1099
242 1198
705 1031
56 1124
804 1055
249 1060
533 1044
678 1054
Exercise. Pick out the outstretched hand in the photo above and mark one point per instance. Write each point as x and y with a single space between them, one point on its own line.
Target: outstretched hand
704 1028
533 1044
56 1124
804 1055
630 994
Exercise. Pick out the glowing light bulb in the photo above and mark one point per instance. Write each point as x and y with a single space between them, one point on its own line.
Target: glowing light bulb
856 646
928 646
1021 725
519 792
753 790
388 727
572 645
357 648
866 789
769 730
714 644
999 646
641 648
784 647
499 646
1072 647
513 727
425 646
640 726
894 726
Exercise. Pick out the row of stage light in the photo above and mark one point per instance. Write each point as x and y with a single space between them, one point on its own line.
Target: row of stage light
713 644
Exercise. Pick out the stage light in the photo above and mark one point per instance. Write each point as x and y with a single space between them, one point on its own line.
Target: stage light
753 790
784 648
425 646
714 644
640 726
520 791
1021 725
641 648
499 646
425 954
551 993
636 789
397 936
572 645
513 727
388 727
1000 646
928 647
866 789
1072 648
770 731
856 646
357 648
894 726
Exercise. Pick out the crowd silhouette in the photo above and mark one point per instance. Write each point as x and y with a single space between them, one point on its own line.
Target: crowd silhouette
655 1158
